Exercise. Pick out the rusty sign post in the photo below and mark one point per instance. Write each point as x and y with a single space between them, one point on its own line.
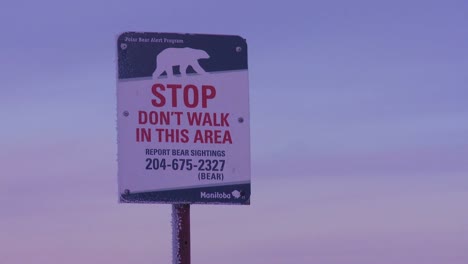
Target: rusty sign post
181 233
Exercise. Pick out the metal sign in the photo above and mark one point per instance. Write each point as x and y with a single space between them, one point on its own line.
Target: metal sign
183 119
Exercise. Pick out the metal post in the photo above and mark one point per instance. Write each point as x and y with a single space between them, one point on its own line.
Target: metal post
181 233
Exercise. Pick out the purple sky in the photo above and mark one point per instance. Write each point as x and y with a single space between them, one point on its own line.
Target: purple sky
359 134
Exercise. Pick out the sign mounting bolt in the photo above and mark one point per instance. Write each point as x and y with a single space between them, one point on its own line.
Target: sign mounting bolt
241 120
123 46
126 113
238 49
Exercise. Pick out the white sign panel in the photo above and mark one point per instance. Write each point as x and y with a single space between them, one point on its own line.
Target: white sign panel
183 118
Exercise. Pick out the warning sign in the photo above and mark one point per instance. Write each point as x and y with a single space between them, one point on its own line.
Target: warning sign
183 119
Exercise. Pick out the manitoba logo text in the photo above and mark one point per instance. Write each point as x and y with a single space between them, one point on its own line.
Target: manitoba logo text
215 195
182 57
220 195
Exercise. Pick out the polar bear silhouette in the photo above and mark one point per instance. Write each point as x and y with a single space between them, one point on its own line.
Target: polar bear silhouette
183 57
